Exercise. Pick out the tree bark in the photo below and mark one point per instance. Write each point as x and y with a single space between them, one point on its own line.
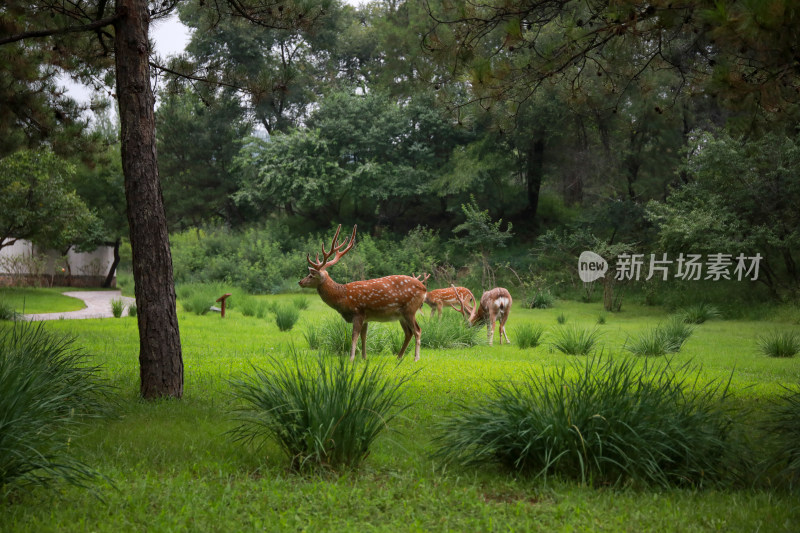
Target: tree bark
160 358
114 264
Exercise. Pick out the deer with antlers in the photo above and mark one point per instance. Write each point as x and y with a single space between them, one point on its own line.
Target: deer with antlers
495 305
438 298
360 302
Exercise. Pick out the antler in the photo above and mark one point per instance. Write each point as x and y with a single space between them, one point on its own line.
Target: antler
335 248
466 312
422 277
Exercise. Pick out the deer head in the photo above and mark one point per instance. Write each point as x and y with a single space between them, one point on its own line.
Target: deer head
470 314
317 269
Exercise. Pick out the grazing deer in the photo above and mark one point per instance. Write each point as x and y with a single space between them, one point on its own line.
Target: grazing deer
438 298
495 305
360 302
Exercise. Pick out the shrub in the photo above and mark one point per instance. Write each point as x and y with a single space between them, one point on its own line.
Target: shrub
561 318
542 300
661 340
573 340
783 425
286 316
46 389
324 413
779 343
117 307
603 421
528 335
699 313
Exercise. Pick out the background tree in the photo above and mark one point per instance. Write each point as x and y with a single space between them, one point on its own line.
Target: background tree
37 204
198 135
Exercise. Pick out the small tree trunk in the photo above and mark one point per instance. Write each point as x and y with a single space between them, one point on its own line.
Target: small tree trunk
160 358
608 292
114 264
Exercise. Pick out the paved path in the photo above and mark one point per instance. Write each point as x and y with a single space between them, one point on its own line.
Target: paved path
98 305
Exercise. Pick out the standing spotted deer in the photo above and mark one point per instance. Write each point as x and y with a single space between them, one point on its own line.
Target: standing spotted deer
360 302
438 298
495 305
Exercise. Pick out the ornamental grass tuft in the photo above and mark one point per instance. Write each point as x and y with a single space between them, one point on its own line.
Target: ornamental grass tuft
47 390
779 343
323 412
574 340
601 421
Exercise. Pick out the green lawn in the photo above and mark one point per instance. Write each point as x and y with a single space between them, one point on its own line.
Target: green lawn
46 300
175 470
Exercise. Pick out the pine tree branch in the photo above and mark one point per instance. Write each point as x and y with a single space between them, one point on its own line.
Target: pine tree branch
97 24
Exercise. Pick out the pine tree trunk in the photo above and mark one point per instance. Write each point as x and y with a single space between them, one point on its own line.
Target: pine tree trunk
160 359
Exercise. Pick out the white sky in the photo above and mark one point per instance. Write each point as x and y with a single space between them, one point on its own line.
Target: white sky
169 36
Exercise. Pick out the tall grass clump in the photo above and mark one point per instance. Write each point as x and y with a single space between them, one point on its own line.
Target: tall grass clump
117 307
323 412
574 340
286 316
779 343
300 302
449 331
47 390
542 300
601 421
528 335
252 306
132 310
698 313
198 298
561 318
7 312
661 340
333 336
783 426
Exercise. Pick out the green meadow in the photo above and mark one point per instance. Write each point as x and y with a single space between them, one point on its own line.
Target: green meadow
169 465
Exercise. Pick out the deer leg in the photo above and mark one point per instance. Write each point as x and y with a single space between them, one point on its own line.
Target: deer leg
433 310
503 327
357 323
490 330
407 331
364 340
417 339
439 309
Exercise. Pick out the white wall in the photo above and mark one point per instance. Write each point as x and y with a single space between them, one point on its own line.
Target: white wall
16 259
